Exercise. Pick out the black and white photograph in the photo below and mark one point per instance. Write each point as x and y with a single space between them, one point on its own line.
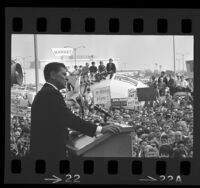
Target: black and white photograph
101 96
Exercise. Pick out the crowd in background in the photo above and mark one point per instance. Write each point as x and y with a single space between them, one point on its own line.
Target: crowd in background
162 128
20 131
94 73
158 131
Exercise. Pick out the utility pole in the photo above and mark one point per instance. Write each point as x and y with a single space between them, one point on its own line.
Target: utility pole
36 63
174 55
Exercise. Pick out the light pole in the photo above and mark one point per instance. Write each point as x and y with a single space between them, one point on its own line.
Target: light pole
75 50
174 58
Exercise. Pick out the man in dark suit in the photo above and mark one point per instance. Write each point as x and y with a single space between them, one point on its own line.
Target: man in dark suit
111 69
50 118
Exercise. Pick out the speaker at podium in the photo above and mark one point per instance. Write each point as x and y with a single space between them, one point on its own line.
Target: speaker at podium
107 145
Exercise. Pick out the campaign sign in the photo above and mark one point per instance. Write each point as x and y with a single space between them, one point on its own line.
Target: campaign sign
132 92
119 102
102 96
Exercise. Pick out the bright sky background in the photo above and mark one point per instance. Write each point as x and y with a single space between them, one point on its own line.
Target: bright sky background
134 51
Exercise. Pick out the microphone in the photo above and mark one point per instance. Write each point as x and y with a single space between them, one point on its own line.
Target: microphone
100 109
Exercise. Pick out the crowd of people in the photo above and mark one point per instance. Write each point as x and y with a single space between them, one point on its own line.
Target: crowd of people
162 128
171 83
20 131
158 131
94 73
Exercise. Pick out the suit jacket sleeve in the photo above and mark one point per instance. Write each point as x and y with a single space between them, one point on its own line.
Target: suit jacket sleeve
67 119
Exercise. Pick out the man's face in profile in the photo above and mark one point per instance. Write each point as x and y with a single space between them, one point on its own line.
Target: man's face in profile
60 78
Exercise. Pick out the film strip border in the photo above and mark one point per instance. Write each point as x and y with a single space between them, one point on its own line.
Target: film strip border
104 21
102 171
65 25
109 22
112 167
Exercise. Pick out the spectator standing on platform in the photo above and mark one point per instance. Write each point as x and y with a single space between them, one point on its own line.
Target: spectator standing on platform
93 71
111 68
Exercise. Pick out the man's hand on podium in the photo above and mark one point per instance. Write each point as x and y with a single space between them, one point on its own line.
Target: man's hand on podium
115 129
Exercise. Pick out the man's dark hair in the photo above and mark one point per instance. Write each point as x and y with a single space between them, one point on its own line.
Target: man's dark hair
54 66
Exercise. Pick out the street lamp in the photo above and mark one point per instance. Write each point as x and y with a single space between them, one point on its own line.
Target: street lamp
75 50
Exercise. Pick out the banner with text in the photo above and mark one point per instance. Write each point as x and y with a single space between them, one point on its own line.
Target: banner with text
129 103
102 96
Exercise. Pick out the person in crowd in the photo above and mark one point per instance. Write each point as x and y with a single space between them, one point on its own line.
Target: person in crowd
80 68
163 77
179 151
111 68
183 83
76 71
190 85
172 84
70 87
162 90
101 68
85 73
93 71
102 71
89 100
154 82
178 81
50 118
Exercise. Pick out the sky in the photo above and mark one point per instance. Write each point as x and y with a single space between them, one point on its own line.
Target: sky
133 51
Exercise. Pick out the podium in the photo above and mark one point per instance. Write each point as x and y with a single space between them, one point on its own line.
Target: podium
107 145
